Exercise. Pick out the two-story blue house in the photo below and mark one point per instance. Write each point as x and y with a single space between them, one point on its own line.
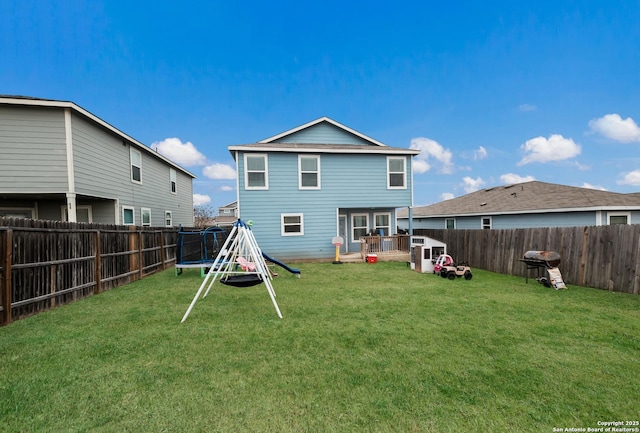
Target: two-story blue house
303 187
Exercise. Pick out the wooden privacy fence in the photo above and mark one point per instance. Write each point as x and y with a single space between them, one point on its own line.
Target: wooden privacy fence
48 263
603 257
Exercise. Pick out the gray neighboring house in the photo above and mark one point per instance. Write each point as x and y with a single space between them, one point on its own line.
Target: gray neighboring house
526 205
60 162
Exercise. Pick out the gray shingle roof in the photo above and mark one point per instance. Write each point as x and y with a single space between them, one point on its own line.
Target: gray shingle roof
527 197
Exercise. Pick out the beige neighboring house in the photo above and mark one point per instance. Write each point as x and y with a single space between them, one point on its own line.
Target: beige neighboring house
227 214
526 205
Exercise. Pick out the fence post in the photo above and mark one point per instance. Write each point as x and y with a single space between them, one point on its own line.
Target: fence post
140 256
98 264
6 276
583 258
163 255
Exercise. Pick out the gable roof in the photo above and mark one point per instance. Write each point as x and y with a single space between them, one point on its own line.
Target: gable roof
290 141
282 136
528 197
38 102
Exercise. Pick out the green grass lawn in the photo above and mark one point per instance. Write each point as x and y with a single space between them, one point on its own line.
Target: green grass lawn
362 347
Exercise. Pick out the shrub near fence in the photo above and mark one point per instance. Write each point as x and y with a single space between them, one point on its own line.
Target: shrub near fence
48 263
603 257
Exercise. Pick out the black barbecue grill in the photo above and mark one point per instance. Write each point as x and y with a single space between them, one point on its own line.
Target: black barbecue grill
540 260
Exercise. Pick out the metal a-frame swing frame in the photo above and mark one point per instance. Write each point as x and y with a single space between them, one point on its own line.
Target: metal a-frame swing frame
239 263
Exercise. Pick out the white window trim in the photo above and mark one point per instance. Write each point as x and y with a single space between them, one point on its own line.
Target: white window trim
266 172
142 211
133 213
610 214
404 172
65 215
173 180
20 209
282 224
387 228
353 226
133 151
450 219
170 214
490 222
317 157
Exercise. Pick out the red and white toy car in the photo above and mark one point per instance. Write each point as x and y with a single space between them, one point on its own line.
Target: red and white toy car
442 261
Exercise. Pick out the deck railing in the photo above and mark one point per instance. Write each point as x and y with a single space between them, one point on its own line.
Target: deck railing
384 245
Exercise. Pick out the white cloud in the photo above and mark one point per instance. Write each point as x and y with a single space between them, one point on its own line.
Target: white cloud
182 153
446 196
481 153
200 199
219 171
226 188
631 178
511 178
555 148
590 186
431 150
614 127
527 107
471 185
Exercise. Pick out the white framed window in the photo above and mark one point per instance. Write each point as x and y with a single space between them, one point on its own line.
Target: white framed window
450 223
359 226
84 214
136 165
291 224
308 172
256 171
168 218
618 218
145 216
173 181
128 216
486 222
17 212
382 223
396 172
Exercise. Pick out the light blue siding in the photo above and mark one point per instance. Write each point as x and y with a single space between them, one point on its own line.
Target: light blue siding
351 183
323 133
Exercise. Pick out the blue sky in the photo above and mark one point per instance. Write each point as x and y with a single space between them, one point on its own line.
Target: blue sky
491 92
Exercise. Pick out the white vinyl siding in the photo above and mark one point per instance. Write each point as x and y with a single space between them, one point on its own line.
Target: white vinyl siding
396 173
292 224
136 165
308 172
256 171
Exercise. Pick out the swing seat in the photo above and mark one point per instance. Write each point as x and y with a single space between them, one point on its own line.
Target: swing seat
241 280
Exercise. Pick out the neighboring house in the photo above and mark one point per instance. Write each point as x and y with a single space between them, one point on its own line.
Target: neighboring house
307 185
60 162
527 205
227 214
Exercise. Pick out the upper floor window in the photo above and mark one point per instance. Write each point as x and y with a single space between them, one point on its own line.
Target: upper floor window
396 172
136 165
172 179
292 224
618 218
486 222
256 175
309 172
